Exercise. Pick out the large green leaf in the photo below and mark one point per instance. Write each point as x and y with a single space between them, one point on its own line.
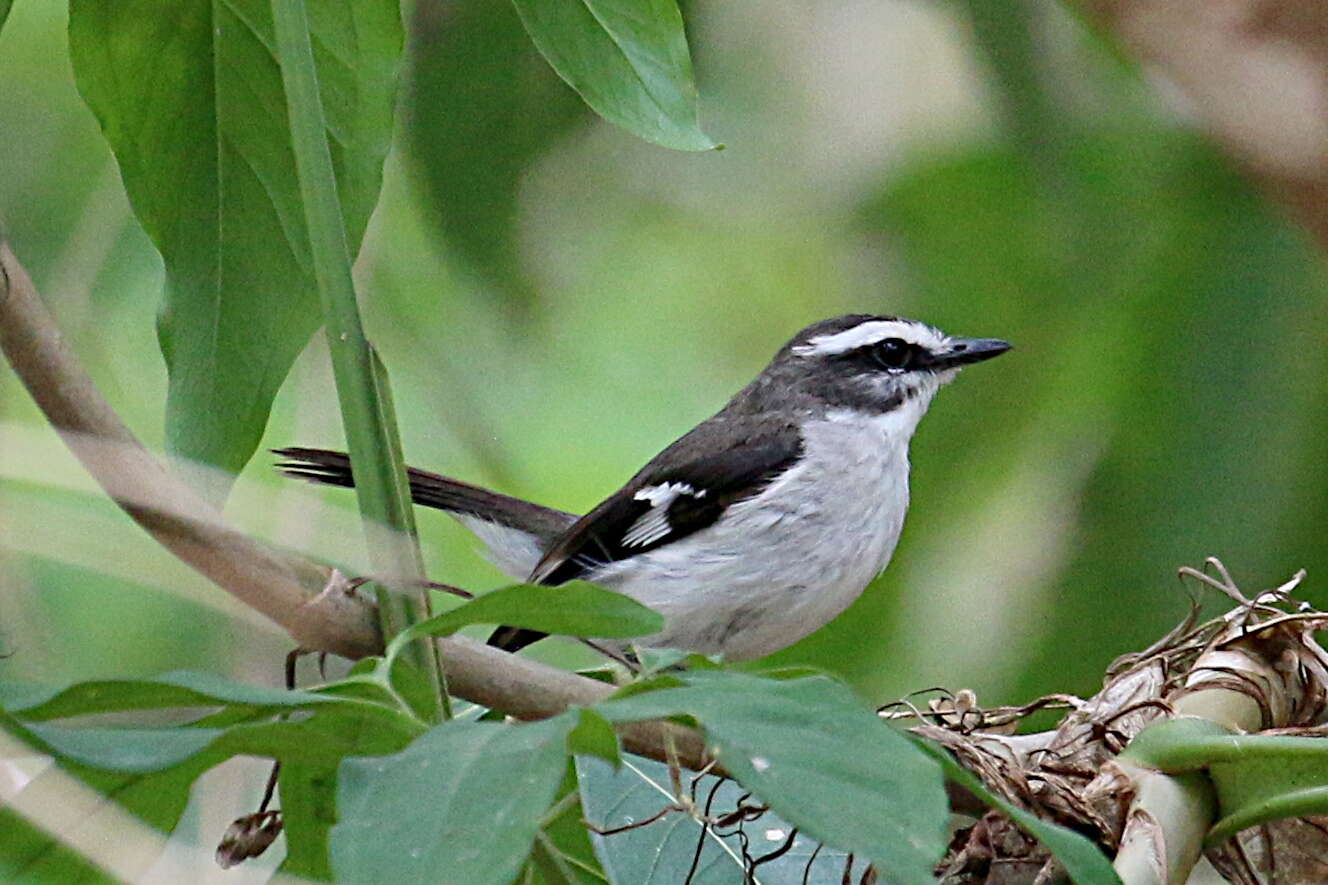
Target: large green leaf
663 852
483 108
572 609
466 798
157 798
190 97
324 738
628 59
133 750
182 688
149 771
824 762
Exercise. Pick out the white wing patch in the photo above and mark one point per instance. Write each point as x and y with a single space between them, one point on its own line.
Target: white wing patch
654 523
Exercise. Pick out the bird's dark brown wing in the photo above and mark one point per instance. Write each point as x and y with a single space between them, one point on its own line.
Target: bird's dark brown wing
681 491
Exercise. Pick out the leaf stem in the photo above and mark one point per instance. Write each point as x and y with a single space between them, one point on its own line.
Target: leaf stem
361 381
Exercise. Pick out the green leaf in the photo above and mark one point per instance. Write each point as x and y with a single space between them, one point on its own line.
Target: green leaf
466 797
483 107
149 772
367 680
1083 861
1175 746
190 97
662 852
308 810
565 838
326 737
323 738
1268 778
594 736
182 688
572 609
1258 777
418 693
5 6
131 750
157 798
823 761
628 59
549 866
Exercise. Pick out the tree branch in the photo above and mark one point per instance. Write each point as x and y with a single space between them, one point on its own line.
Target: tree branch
305 598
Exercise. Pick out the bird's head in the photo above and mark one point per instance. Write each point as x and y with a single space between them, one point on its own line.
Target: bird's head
870 364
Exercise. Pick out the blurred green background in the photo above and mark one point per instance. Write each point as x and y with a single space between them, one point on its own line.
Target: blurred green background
557 300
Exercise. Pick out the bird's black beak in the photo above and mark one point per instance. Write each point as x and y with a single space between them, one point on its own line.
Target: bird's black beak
962 351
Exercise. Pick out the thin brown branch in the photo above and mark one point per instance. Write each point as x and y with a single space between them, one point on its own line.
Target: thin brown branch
307 599
276 584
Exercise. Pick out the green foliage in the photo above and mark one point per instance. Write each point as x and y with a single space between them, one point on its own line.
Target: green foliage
562 851
368 416
1168 328
308 794
629 60
825 764
5 6
190 98
1263 778
131 750
183 688
148 769
156 797
663 852
483 106
466 798
572 609
594 736
548 867
1258 778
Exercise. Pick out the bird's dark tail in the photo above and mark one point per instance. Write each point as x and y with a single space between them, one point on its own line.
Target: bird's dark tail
443 493
433 490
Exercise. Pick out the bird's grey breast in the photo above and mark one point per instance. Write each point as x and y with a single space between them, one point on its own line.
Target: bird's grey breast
849 494
784 562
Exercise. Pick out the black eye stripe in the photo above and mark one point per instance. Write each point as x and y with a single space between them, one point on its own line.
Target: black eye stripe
893 353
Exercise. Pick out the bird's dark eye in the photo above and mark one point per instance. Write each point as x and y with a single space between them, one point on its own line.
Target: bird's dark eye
893 353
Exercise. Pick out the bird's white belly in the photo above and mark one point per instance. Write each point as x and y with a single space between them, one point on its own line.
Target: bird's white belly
780 565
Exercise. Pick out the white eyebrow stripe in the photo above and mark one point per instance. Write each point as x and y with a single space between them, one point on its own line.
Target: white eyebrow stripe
858 336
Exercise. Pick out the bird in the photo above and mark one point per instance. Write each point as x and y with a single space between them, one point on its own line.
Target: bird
755 528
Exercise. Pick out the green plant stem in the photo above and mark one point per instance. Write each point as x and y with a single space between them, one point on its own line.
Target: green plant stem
361 381
1171 814
1178 809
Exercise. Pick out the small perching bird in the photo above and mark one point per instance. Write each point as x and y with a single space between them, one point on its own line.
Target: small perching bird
758 526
